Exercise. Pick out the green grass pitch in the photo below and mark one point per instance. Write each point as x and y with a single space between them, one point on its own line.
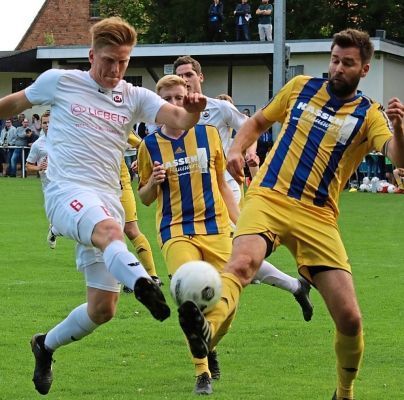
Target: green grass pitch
270 352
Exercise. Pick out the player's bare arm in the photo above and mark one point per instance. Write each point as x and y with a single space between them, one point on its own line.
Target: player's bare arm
249 133
182 117
41 166
148 192
13 104
395 147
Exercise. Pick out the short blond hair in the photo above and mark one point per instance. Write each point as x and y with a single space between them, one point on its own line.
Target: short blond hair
226 97
112 31
169 81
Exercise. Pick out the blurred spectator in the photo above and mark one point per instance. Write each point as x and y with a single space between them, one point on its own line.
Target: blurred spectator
7 138
36 124
215 22
17 122
31 136
247 112
264 144
21 141
371 165
264 12
242 14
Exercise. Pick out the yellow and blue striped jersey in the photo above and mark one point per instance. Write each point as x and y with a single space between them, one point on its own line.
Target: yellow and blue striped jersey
188 201
134 140
322 141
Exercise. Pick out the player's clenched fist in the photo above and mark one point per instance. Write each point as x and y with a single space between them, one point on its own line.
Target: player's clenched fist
159 173
194 102
395 112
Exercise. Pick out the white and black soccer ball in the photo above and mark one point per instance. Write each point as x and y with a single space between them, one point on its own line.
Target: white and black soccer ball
196 281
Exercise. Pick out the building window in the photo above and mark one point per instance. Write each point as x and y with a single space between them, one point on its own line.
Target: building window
95 9
134 80
294 70
18 84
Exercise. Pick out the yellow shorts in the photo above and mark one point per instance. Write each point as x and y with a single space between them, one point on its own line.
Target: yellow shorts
310 233
214 249
128 198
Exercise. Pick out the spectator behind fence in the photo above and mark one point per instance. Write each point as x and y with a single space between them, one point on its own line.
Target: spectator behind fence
264 12
21 141
243 16
7 138
32 137
215 21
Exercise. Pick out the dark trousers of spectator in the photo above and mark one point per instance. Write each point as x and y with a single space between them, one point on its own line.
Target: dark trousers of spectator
15 158
3 161
10 153
215 32
242 32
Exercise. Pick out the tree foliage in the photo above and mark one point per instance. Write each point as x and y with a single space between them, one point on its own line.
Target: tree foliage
185 21
322 18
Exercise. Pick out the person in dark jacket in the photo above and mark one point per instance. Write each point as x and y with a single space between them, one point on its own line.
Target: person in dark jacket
215 21
243 16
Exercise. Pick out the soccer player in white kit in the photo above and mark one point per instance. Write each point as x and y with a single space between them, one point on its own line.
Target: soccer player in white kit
93 113
37 161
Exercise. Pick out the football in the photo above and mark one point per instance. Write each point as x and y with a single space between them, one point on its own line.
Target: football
197 281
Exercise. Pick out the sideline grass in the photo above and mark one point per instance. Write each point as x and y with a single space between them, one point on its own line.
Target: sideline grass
270 353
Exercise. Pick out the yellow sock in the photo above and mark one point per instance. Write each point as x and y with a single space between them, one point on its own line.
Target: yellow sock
144 253
224 311
201 365
349 350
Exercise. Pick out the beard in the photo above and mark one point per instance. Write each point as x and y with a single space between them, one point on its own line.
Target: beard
343 89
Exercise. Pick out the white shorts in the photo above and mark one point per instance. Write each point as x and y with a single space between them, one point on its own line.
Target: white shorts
98 277
234 186
74 210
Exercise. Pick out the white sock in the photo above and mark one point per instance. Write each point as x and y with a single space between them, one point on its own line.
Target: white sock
77 325
122 264
271 275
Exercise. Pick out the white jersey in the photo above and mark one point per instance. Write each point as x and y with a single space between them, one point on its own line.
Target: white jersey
225 117
89 126
37 154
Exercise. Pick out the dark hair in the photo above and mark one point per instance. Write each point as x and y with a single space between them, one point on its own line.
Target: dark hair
355 38
36 116
188 60
28 130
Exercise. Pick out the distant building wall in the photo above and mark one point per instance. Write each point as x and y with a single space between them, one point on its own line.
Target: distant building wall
65 22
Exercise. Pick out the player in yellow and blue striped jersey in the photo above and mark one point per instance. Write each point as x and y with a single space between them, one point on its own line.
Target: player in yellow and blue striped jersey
184 172
327 128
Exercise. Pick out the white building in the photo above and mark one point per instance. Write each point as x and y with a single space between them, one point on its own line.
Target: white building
240 69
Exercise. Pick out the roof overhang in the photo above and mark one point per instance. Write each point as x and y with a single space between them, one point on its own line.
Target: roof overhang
154 55
216 49
23 61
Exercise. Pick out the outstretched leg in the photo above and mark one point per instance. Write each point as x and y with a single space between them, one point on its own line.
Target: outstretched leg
337 289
